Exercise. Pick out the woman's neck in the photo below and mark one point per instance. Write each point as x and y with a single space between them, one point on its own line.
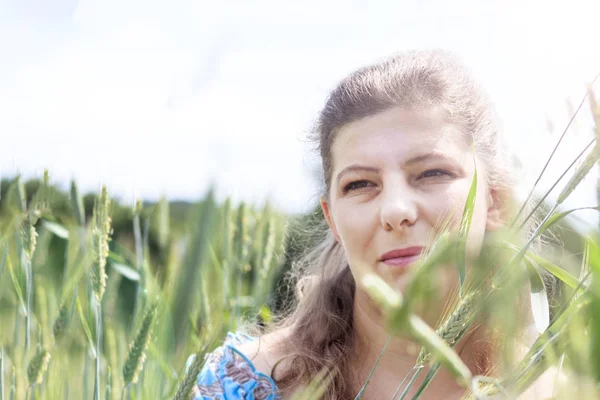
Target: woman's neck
370 336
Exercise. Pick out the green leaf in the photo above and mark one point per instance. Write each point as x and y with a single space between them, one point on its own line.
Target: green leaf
401 304
4 257
77 204
116 257
127 271
163 364
465 225
594 311
72 310
188 293
227 232
163 222
594 264
86 327
534 363
539 297
57 229
18 288
555 270
557 217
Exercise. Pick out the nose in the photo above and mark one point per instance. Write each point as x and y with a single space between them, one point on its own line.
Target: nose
398 209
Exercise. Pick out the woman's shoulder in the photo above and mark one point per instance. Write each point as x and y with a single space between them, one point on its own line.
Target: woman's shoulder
267 351
240 368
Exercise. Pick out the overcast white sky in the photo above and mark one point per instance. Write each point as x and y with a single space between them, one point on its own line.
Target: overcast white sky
166 97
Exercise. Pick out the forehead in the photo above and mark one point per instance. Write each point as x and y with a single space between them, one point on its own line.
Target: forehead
397 133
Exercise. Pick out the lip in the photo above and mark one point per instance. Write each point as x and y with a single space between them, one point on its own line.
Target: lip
402 257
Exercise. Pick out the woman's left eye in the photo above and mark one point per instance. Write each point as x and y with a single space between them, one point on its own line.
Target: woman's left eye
434 173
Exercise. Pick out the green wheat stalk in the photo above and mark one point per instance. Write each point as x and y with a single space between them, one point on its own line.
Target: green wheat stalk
137 349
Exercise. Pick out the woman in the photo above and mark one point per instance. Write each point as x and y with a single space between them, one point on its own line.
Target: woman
396 141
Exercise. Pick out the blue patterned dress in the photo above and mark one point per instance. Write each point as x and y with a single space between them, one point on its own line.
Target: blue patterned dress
227 374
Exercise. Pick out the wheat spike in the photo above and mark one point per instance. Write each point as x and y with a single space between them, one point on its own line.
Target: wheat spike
452 327
37 366
137 349
29 236
61 322
588 163
187 384
101 238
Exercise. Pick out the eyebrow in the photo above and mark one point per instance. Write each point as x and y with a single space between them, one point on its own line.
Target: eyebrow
414 160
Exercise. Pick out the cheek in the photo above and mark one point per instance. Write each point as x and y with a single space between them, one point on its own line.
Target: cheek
355 225
454 204
348 223
451 205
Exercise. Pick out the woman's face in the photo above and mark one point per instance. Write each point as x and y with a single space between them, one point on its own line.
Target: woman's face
395 176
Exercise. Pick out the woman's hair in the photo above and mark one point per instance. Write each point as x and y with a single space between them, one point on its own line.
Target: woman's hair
320 324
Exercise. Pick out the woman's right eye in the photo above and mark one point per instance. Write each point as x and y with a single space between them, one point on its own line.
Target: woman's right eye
355 185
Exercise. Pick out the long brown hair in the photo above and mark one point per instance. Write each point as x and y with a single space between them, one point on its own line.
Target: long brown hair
320 322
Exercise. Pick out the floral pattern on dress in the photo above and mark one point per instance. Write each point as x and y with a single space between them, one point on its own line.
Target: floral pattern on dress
227 374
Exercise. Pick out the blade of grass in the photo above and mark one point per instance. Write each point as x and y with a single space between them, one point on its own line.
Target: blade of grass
127 271
428 378
539 298
413 371
1 373
188 291
557 217
56 228
533 363
410 383
594 266
17 286
86 327
13 384
550 220
465 225
4 258
420 275
139 258
364 387
541 201
555 270
98 313
554 151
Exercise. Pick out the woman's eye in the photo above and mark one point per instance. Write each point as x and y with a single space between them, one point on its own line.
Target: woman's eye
434 173
355 185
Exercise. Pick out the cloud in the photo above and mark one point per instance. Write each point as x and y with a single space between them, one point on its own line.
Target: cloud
153 98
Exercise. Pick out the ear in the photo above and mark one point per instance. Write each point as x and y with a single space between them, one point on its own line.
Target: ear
494 212
327 213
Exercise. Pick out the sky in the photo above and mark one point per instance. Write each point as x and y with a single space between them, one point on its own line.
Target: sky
166 98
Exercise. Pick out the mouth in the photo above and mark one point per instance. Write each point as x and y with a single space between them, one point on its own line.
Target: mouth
401 257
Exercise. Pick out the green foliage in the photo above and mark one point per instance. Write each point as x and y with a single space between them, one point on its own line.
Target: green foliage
213 268
82 268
